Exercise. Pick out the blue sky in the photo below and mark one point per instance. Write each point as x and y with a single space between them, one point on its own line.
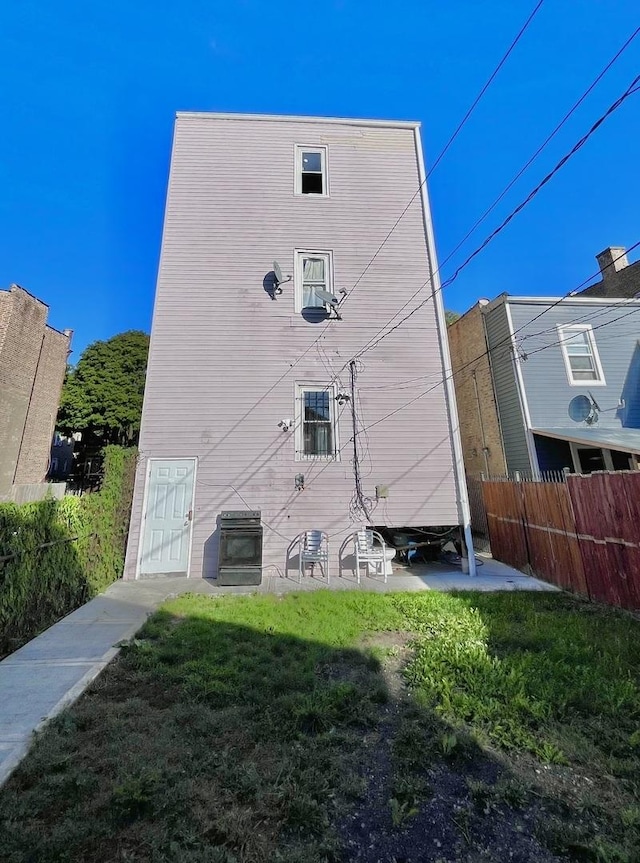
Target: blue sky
89 92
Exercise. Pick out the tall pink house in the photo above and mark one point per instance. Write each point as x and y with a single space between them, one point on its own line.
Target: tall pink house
279 396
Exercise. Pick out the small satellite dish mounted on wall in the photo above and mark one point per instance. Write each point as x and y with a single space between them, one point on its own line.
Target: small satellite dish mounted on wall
582 409
279 278
331 301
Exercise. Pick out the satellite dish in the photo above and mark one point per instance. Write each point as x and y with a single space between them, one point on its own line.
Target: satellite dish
580 409
326 297
594 403
277 269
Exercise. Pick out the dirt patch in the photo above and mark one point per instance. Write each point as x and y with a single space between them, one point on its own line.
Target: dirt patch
416 807
392 639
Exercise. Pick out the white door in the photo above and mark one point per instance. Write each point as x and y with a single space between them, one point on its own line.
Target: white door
168 516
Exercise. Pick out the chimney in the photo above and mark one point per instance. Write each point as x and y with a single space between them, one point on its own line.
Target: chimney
611 261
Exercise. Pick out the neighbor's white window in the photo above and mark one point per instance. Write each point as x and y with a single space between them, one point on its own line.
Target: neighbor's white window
311 171
581 354
314 271
316 431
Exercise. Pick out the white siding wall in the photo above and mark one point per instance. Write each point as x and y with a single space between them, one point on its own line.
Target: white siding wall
220 372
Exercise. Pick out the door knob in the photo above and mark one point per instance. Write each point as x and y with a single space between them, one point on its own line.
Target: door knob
190 515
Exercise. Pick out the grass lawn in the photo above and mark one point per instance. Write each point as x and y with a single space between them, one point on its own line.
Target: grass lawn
346 726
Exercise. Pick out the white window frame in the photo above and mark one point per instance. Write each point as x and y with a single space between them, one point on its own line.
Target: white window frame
301 388
299 149
299 256
564 332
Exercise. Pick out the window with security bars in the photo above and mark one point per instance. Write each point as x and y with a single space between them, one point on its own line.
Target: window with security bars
581 355
315 424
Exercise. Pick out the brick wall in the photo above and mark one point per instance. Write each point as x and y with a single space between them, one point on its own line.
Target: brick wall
32 365
36 443
479 423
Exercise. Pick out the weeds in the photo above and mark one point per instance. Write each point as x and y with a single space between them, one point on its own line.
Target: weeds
448 744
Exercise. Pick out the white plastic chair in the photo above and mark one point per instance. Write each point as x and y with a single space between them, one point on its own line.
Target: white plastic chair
370 553
314 548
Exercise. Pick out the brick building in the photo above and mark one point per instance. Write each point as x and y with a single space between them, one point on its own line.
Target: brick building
33 359
619 277
479 420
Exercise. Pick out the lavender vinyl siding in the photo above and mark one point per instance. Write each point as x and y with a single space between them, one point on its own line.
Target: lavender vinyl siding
225 358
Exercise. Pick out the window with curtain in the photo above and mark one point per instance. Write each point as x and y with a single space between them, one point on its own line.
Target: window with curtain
313 273
313 277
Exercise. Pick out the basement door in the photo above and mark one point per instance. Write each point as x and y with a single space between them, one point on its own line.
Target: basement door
168 516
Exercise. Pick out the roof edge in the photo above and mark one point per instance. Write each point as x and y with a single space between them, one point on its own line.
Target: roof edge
15 287
298 118
577 300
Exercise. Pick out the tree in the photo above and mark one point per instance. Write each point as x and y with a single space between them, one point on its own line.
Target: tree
102 394
450 317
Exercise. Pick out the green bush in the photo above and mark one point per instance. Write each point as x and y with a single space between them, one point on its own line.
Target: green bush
66 551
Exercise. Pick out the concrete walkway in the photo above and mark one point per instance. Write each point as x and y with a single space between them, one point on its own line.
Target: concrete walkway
52 671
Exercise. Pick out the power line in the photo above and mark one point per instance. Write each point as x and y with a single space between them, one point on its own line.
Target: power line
485 88
631 89
451 140
485 353
542 146
438 159
321 335
593 329
575 291
579 144
454 374
509 339
513 181
327 325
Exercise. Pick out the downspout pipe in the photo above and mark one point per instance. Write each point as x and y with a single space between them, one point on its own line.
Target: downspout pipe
450 396
482 437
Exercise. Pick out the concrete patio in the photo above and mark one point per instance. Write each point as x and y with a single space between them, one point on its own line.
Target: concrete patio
52 671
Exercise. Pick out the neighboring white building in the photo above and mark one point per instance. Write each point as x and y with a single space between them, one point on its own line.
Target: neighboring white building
249 402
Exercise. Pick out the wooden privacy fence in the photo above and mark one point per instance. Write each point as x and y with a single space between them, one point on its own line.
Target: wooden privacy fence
582 534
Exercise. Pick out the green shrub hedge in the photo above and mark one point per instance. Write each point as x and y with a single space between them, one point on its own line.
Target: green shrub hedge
65 551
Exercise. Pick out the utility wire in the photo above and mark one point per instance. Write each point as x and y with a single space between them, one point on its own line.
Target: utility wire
633 88
588 315
518 175
439 158
542 146
360 504
593 329
510 338
455 134
485 353
321 335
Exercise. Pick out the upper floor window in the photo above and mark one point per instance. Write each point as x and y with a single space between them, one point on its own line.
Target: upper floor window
314 272
581 354
311 171
316 432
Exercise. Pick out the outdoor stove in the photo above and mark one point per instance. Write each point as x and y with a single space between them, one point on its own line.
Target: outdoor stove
240 550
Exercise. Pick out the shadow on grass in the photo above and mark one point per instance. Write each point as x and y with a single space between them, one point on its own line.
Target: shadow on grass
221 735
